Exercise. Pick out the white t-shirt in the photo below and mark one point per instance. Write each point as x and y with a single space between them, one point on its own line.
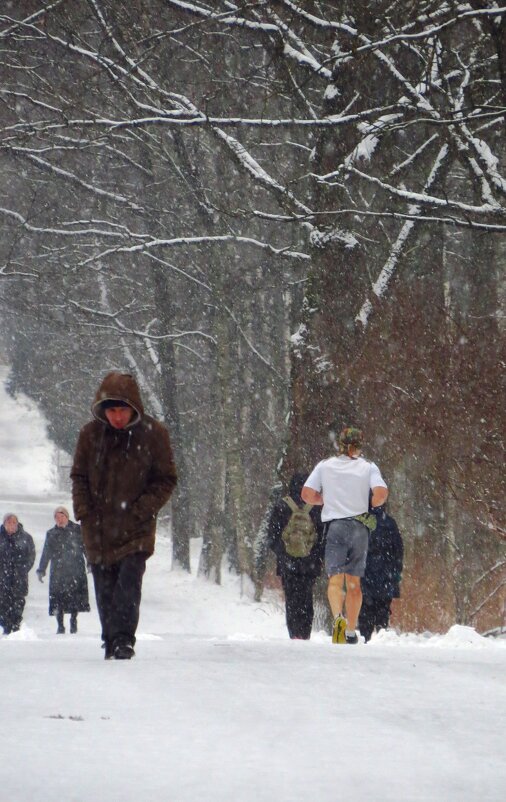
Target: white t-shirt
345 484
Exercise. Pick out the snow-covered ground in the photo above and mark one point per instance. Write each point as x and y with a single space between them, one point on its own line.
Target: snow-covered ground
218 705
26 457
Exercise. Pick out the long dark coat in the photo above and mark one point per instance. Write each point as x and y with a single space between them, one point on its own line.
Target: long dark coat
17 556
384 560
68 584
121 478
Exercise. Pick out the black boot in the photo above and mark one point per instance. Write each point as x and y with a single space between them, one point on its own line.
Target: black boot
123 649
73 623
59 621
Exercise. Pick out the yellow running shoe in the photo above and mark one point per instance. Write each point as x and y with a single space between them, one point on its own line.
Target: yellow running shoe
339 631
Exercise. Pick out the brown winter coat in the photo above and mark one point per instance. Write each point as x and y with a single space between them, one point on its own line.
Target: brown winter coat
121 478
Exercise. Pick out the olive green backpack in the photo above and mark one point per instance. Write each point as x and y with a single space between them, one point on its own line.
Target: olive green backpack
299 535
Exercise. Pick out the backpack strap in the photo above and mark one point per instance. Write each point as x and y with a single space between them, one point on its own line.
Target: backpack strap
295 507
291 503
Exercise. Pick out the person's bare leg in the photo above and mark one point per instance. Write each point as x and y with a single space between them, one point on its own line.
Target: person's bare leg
335 592
353 601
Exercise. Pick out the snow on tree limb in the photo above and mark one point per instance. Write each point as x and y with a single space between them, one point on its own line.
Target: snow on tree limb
485 601
135 364
452 222
178 118
492 208
62 232
185 241
258 173
29 20
68 175
281 31
380 285
427 33
116 323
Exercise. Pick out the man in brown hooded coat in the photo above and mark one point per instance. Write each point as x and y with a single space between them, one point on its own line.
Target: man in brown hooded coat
122 475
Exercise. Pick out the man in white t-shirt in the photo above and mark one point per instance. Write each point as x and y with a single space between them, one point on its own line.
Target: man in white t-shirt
343 485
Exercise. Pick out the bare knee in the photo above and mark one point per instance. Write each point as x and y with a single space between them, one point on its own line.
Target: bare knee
353 585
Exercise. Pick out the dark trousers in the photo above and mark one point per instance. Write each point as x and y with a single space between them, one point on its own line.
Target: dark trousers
118 590
374 615
299 604
11 613
60 618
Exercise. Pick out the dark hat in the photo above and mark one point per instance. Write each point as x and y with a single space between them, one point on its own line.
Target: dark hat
113 402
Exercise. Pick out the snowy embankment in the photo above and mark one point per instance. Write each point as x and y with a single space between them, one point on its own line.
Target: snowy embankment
26 456
219 705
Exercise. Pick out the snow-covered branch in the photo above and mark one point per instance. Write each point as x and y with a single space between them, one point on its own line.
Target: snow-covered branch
487 599
7 272
116 324
490 209
73 228
427 33
380 285
489 572
178 242
293 48
180 119
68 175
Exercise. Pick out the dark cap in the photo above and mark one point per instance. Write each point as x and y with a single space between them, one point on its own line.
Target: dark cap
114 402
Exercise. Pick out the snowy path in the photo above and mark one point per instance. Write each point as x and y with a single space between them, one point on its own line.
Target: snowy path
238 712
224 720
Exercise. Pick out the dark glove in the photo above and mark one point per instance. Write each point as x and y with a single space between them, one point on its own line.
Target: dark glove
41 575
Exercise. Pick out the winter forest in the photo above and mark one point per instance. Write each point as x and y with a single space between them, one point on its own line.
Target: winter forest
283 217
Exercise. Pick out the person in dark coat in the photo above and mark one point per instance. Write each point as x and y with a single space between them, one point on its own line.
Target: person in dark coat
17 556
298 574
68 584
383 571
122 475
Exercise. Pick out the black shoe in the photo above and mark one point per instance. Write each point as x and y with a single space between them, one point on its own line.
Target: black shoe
124 651
73 625
352 639
60 630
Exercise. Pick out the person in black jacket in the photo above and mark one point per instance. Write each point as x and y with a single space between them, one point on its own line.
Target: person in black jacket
383 570
68 585
17 556
298 574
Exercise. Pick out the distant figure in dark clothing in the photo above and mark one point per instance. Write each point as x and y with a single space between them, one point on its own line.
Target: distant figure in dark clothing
17 556
383 571
298 574
68 585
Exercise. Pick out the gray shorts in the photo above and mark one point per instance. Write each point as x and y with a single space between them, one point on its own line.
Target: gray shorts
346 547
